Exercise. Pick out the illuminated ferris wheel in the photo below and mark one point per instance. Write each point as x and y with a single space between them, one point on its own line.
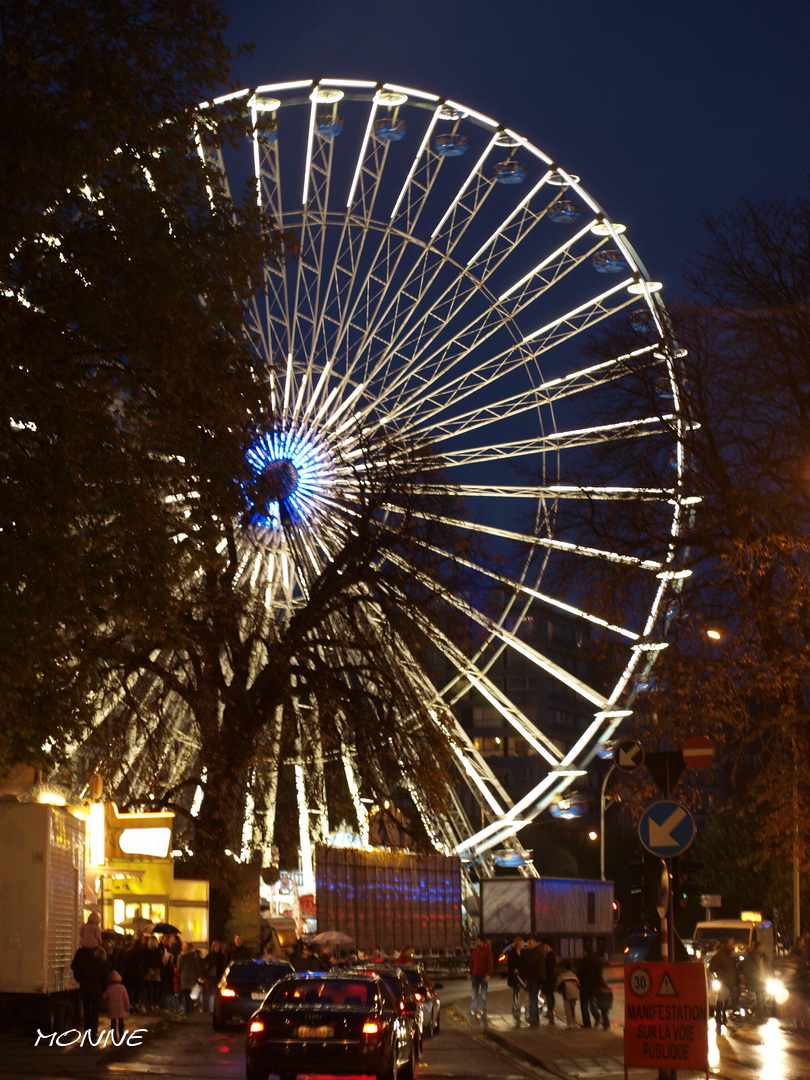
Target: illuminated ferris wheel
448 276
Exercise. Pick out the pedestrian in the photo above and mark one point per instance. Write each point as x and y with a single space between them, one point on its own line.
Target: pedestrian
568 986
723 965
589 969
189 969
237 950
90 937
129 967
755 970
90 972
214 965
602 1003
481 966
168 975
515 972
550 978
116 1002
535 974
151 975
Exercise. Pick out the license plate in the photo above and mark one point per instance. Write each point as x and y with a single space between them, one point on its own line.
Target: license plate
315 1032
258 995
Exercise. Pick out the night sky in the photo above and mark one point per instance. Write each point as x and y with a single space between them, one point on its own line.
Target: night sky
668 109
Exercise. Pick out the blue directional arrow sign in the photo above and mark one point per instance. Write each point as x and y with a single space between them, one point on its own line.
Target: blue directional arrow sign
666 829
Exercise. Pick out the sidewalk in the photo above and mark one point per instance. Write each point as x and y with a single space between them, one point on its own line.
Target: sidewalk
573 1053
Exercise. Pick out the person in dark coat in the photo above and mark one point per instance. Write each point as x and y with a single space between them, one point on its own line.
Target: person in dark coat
214 964
90 972
151 960
238 950
535 974
129 966
590 972
190 970
516 972
550 977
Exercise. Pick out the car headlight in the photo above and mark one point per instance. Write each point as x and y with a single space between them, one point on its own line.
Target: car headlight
778 991
716 984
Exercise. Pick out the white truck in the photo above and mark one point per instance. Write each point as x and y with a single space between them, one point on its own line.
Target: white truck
744 932
41 897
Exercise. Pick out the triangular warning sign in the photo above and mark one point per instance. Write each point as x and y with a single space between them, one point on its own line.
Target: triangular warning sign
667 988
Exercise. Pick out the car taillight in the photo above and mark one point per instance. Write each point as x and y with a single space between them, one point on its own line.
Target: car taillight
227 992
418 996
256 1025
372 1027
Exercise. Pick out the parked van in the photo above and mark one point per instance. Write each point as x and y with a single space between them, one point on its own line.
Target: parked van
708 934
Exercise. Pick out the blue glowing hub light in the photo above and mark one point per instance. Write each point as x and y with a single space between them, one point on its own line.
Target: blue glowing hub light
292 471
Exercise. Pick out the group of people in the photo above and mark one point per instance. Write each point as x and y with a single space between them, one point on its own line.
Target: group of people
743 978
147 974
534 970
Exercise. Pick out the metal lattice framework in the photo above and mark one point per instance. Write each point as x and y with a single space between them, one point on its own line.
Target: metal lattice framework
448 270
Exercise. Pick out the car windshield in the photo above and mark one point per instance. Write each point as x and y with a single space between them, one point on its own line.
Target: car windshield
323 993
705 934
260 974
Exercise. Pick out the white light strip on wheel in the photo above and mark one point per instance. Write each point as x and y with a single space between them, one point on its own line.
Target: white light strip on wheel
494 832
327 368
520 206
576 311
225 97
310 140
559 673
473 173
584 231
465 111
495 806
552 442
524 142
538 541
433 121
584 492
358 84
411 93
510 718
362 155
347 401
541 491
272 88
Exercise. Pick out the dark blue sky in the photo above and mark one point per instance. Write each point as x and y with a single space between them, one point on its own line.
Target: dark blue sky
667 109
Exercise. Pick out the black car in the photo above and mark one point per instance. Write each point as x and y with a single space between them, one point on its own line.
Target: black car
340 1024
242 989
400 986
427 998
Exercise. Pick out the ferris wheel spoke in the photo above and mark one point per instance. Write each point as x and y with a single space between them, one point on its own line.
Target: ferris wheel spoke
491 368
547 598
549 392
472 675
559 440
562 491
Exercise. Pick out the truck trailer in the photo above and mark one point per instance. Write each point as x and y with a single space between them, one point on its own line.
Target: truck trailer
41 896
568 911
390 899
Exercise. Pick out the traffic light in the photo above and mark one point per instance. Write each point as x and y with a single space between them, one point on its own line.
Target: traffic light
685 880
647 882
617 913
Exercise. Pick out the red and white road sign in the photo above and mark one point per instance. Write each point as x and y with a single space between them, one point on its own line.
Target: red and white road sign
666 1016
698 752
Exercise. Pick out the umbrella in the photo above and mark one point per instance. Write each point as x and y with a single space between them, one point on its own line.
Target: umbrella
333 937
138 923
165 928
